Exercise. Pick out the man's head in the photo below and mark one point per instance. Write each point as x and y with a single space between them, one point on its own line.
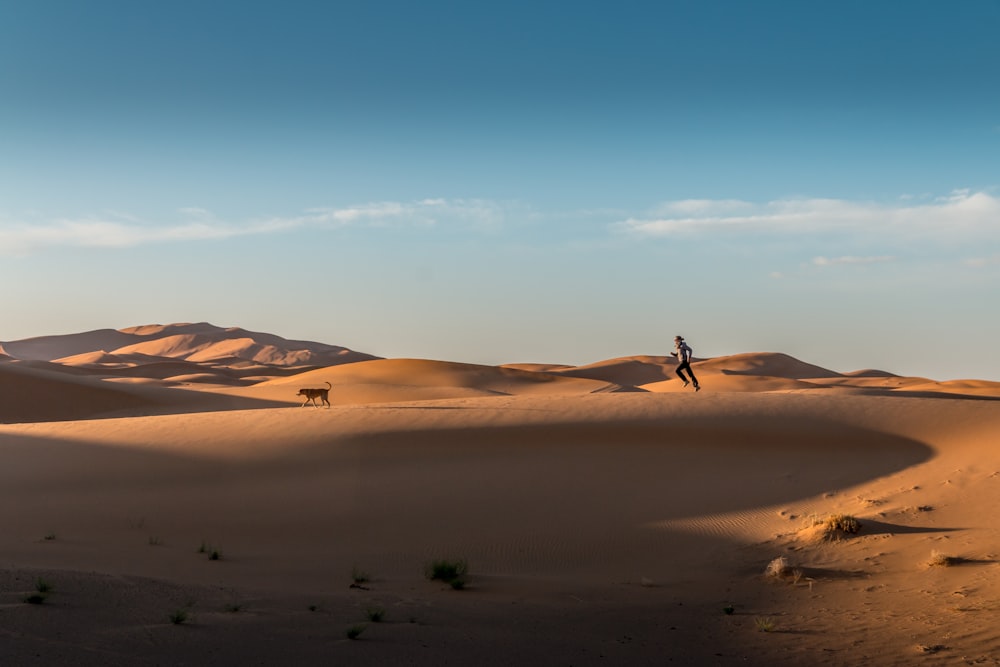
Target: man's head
678 339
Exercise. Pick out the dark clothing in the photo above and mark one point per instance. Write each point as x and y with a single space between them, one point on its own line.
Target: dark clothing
683 353
686 366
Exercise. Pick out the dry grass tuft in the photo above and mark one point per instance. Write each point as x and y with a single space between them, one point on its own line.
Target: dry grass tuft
939 559
843 523
778 568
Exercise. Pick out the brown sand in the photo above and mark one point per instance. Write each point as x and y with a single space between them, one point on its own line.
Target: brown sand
606 517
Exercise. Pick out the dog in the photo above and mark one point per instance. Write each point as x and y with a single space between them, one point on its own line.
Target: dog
313 394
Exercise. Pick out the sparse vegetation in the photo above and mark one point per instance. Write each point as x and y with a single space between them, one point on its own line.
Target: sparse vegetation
214 554
939 559
844 523
764 623
179 616
355 631
376 614
313 607
778 567
49 537
729 610
155 541
359 576
448 571
234 607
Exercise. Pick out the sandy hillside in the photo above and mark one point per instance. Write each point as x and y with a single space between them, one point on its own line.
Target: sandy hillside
606 515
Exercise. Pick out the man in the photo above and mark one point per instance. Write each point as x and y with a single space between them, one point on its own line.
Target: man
683 353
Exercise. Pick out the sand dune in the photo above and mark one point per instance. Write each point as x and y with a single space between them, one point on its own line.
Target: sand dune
607 514
202 340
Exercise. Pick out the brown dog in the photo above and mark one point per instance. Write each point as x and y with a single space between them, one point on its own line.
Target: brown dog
313 394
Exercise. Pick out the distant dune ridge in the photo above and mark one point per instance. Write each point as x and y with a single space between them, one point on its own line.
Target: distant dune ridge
203 353
607 513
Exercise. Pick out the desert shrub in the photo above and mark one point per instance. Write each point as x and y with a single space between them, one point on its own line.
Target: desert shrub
778 567
355 631
939 559
376 614
179 617
359 576
764 624
42 586
447 571
35 598
845 523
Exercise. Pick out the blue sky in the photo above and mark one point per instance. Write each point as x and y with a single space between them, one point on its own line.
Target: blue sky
504 182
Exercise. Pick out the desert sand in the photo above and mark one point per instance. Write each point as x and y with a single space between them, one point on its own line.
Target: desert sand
165 499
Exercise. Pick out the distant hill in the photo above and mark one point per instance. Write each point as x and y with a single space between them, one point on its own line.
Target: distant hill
180 349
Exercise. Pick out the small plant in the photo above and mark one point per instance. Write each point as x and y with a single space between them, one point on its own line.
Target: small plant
844 523
35 598
313 607
729 610
203 549
355 631
179 617
43 586
939 559
778 567
376 614
214 554
234 607
764 623
49 537
458 583
359 576
447 570
155 541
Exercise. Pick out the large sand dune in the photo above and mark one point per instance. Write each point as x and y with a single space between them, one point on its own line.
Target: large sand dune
608 516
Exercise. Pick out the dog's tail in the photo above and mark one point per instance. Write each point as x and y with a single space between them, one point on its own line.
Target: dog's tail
330 386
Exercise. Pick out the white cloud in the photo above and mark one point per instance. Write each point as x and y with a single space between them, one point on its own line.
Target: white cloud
960 213
850 259
121 230
980 262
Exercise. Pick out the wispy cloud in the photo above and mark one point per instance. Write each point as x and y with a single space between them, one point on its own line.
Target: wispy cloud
980 262
850 259
956 215
122 230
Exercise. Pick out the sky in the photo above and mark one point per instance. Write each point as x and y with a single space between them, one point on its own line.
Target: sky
511 182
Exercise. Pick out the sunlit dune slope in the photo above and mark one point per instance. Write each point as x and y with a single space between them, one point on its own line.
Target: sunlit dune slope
420 379
200 342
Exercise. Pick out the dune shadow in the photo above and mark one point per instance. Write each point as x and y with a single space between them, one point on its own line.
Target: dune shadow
872 527
818 573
